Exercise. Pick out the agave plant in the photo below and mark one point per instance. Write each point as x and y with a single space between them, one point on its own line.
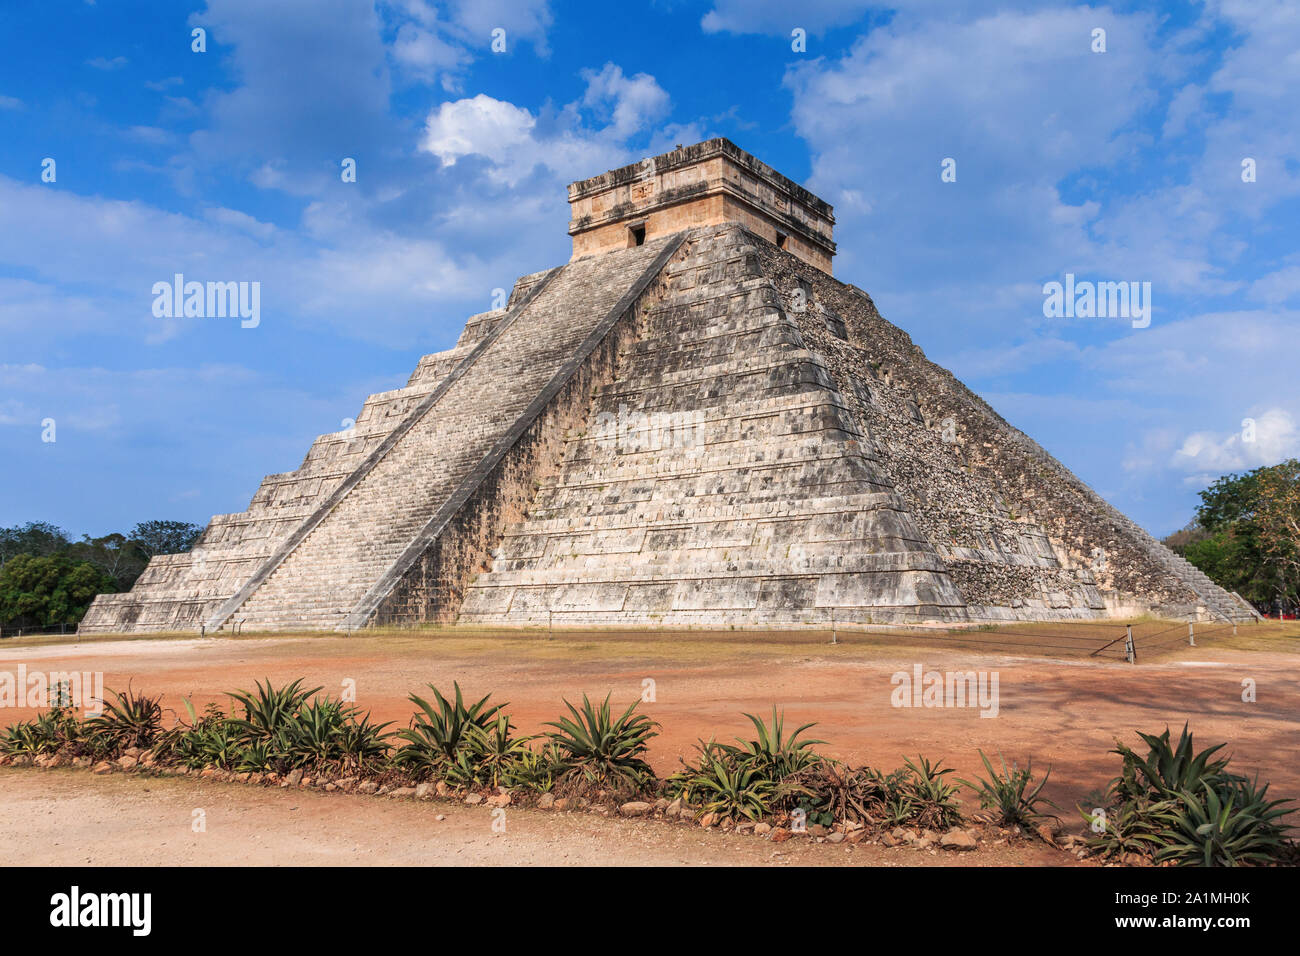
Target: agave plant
253 756
829 791
130 720
1180 806
1138 826
773 753
310 738
733 791
1232 825
685 783
898 808
434 742
932 797
602 750
1010 795
267 710
213 738
495 749
533 769
363 745
1167 771
29 738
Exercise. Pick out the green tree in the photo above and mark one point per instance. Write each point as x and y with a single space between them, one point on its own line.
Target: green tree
1246 537
1277 525
36 537
115 554
48 590
165 537
1231 561
1229 501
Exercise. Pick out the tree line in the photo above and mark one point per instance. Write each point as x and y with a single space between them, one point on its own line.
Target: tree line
47 579
1246 535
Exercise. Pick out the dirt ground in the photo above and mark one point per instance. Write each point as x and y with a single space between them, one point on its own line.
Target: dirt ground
1063 712
71 818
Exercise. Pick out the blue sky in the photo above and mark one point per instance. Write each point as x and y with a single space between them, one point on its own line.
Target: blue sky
1123 165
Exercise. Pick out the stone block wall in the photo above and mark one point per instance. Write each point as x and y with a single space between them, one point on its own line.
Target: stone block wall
721 481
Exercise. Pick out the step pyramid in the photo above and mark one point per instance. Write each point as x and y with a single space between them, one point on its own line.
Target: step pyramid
690 424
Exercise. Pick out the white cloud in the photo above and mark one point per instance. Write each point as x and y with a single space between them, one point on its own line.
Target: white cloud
1277 286
1012 97
629 102
162 86
780 16
313 83
152 135
104 63
425 55
342 277
515 142
1262 439
47 312
434 45
480 126
526 20
240 221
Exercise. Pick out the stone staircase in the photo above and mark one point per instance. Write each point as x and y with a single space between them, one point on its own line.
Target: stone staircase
354 539
181 591
719 482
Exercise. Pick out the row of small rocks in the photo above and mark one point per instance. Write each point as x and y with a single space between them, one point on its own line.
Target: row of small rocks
850 834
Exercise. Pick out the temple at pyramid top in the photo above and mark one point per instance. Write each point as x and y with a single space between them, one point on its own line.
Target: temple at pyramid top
709 183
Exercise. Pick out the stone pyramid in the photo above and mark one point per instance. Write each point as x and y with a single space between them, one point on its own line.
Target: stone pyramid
689 424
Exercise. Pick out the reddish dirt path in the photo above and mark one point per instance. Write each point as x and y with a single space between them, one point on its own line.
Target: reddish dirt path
71 818
1062 712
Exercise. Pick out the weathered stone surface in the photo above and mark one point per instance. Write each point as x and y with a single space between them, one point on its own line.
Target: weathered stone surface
704 184
704 430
